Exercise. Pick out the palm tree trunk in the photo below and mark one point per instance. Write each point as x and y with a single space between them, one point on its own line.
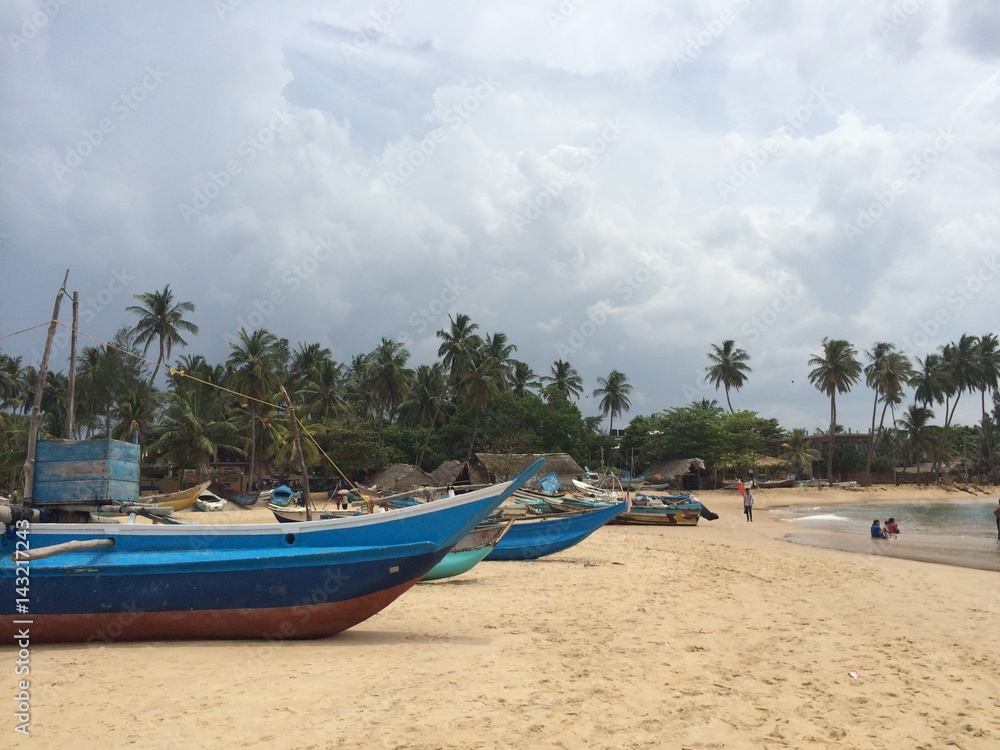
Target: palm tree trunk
986 440
427 440
871 442
833 429
728 402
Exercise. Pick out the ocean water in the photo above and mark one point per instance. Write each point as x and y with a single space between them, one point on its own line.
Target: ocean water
960 519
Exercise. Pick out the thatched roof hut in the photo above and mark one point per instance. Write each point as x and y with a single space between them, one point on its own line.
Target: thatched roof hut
452 472
400 478
674 471
498 467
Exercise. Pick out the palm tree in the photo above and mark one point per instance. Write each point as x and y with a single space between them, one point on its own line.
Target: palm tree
482 380
798 453
256 363
961 361
564 379
456 344
888 372
915 422
614 391
160 319
323 393
190 438
428 400
729 368
834 372
306 362
988 361
522 379
390 378
497 348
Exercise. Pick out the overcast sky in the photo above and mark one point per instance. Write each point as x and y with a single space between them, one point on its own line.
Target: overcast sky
619 185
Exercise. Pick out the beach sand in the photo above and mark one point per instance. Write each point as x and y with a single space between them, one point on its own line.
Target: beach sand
719 636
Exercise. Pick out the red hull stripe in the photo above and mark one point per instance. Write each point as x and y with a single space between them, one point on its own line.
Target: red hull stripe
280 623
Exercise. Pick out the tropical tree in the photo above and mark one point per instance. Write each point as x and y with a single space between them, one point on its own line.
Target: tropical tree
323 392
189 438
306 363
482 380
256 363
834 372
389 377
988 366
614 391
161 319
564 380
916 423
522 379
798 453
729 368
961 360
457 343
428 400
887 373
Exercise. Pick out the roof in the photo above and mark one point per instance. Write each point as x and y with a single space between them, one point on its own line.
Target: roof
399 478
498 467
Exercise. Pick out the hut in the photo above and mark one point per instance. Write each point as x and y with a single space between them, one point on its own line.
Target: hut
400 478
498 467
681 473
452 473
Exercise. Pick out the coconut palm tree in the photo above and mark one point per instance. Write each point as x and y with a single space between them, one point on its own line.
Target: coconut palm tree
428 400
192 439
323 394
390 378
834 372
500 351
614 391
729 368
256 363
798 453
915 422
482 380
961 360
887 373
306 362
161 319
564 379
522 379
988 360
456 344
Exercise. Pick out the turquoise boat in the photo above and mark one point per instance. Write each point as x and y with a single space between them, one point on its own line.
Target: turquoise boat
470 550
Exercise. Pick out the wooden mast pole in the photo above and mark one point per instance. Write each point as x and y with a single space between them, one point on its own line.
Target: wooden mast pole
299 456
72 368
36 409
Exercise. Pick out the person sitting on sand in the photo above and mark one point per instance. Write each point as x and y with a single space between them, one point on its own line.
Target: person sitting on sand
877 532
891 527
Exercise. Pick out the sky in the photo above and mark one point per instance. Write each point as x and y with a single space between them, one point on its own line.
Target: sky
617 185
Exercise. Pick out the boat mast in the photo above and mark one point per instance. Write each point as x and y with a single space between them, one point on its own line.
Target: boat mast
300 458
72 368
36 408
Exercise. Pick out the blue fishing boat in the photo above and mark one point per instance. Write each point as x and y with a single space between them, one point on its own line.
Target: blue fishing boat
536 536
108 582
663 510
471 550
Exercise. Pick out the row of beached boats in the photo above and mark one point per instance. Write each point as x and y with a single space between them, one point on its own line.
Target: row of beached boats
108 581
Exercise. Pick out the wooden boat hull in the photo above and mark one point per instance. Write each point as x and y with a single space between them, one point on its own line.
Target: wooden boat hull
177 500
303 580
533 537
470 551
669 514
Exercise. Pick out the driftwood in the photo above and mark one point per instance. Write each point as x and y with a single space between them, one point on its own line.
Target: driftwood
75 545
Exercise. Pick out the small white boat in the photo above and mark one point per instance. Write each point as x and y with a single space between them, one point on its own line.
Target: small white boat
209 501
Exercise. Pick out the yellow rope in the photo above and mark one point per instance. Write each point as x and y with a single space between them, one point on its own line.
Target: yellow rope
25 330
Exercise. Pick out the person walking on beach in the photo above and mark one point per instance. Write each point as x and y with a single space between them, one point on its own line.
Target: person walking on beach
996 512
748 505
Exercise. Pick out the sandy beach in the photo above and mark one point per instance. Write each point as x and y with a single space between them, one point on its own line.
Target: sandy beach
724 635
